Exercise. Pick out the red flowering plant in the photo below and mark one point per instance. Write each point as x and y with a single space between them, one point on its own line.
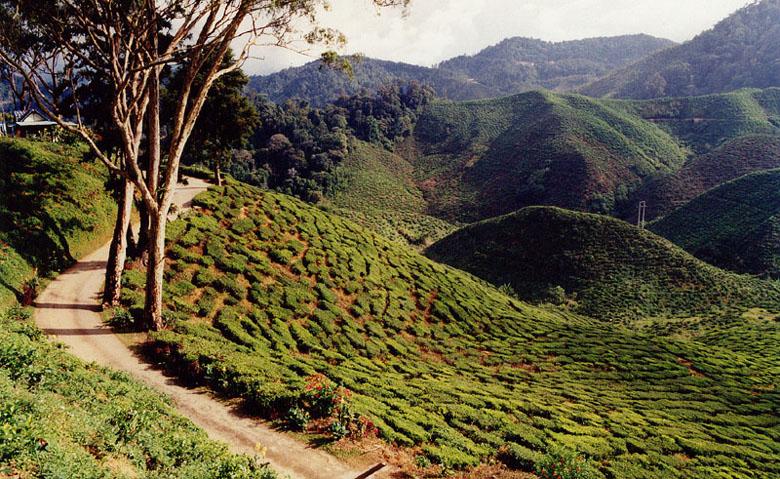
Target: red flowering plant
322 396
560 463
327 400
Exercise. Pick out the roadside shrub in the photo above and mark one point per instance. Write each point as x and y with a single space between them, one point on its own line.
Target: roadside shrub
297 419
121 319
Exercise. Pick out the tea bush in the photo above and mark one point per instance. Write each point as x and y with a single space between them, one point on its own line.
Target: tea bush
437 359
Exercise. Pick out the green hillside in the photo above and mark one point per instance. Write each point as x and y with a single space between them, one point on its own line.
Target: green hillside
608 268
266 294
377 190
737 53
53 209
512 66
59 417
735 158
735 226
475 160
705 122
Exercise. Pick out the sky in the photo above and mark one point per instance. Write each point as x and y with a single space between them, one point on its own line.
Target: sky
434 30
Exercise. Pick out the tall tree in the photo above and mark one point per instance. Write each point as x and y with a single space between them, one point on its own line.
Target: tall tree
121 40
226 122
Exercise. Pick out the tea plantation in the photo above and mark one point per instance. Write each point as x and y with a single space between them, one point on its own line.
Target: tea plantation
265 293
478 159
602 266
62 418
735 226
59 417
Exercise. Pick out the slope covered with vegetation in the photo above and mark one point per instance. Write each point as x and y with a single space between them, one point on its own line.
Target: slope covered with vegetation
704 123
275 301
376 189
605 267
319 84
475 160
735 158
735 226
513 66
60 417
53 209
738 52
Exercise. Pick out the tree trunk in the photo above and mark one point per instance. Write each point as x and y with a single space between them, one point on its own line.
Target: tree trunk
153 157
143 230
155 270
118 250
218 172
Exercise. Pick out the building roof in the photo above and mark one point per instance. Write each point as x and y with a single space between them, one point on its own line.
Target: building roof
32 117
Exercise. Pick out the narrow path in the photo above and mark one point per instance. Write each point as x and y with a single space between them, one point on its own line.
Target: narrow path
69 310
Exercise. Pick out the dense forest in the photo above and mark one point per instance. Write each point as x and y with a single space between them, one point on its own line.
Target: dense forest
298 146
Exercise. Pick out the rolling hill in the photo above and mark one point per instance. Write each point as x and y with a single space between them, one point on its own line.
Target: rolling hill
736 158
475 160
513 66
608 268
735 225
738 52
281 304
704 123
520 64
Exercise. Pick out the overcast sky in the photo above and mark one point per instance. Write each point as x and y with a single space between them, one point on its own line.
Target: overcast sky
435 30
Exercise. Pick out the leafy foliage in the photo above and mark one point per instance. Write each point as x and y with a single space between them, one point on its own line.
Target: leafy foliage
439 359
610 269
299 147
734 226
734 54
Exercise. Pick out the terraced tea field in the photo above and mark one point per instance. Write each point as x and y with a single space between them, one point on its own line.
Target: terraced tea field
265 293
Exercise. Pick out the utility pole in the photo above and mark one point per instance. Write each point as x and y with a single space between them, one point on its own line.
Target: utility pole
641 217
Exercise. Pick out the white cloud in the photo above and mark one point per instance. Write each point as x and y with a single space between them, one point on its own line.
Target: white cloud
435 30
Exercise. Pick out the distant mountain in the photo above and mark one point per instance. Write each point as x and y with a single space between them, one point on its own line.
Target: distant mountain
474 160
741 51
735 226
736 158
601 266
513 66
521 64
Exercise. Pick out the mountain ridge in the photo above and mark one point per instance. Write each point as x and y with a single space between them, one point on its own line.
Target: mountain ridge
467 77
737 53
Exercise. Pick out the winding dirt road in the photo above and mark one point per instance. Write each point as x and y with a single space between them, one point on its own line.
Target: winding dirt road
69 310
